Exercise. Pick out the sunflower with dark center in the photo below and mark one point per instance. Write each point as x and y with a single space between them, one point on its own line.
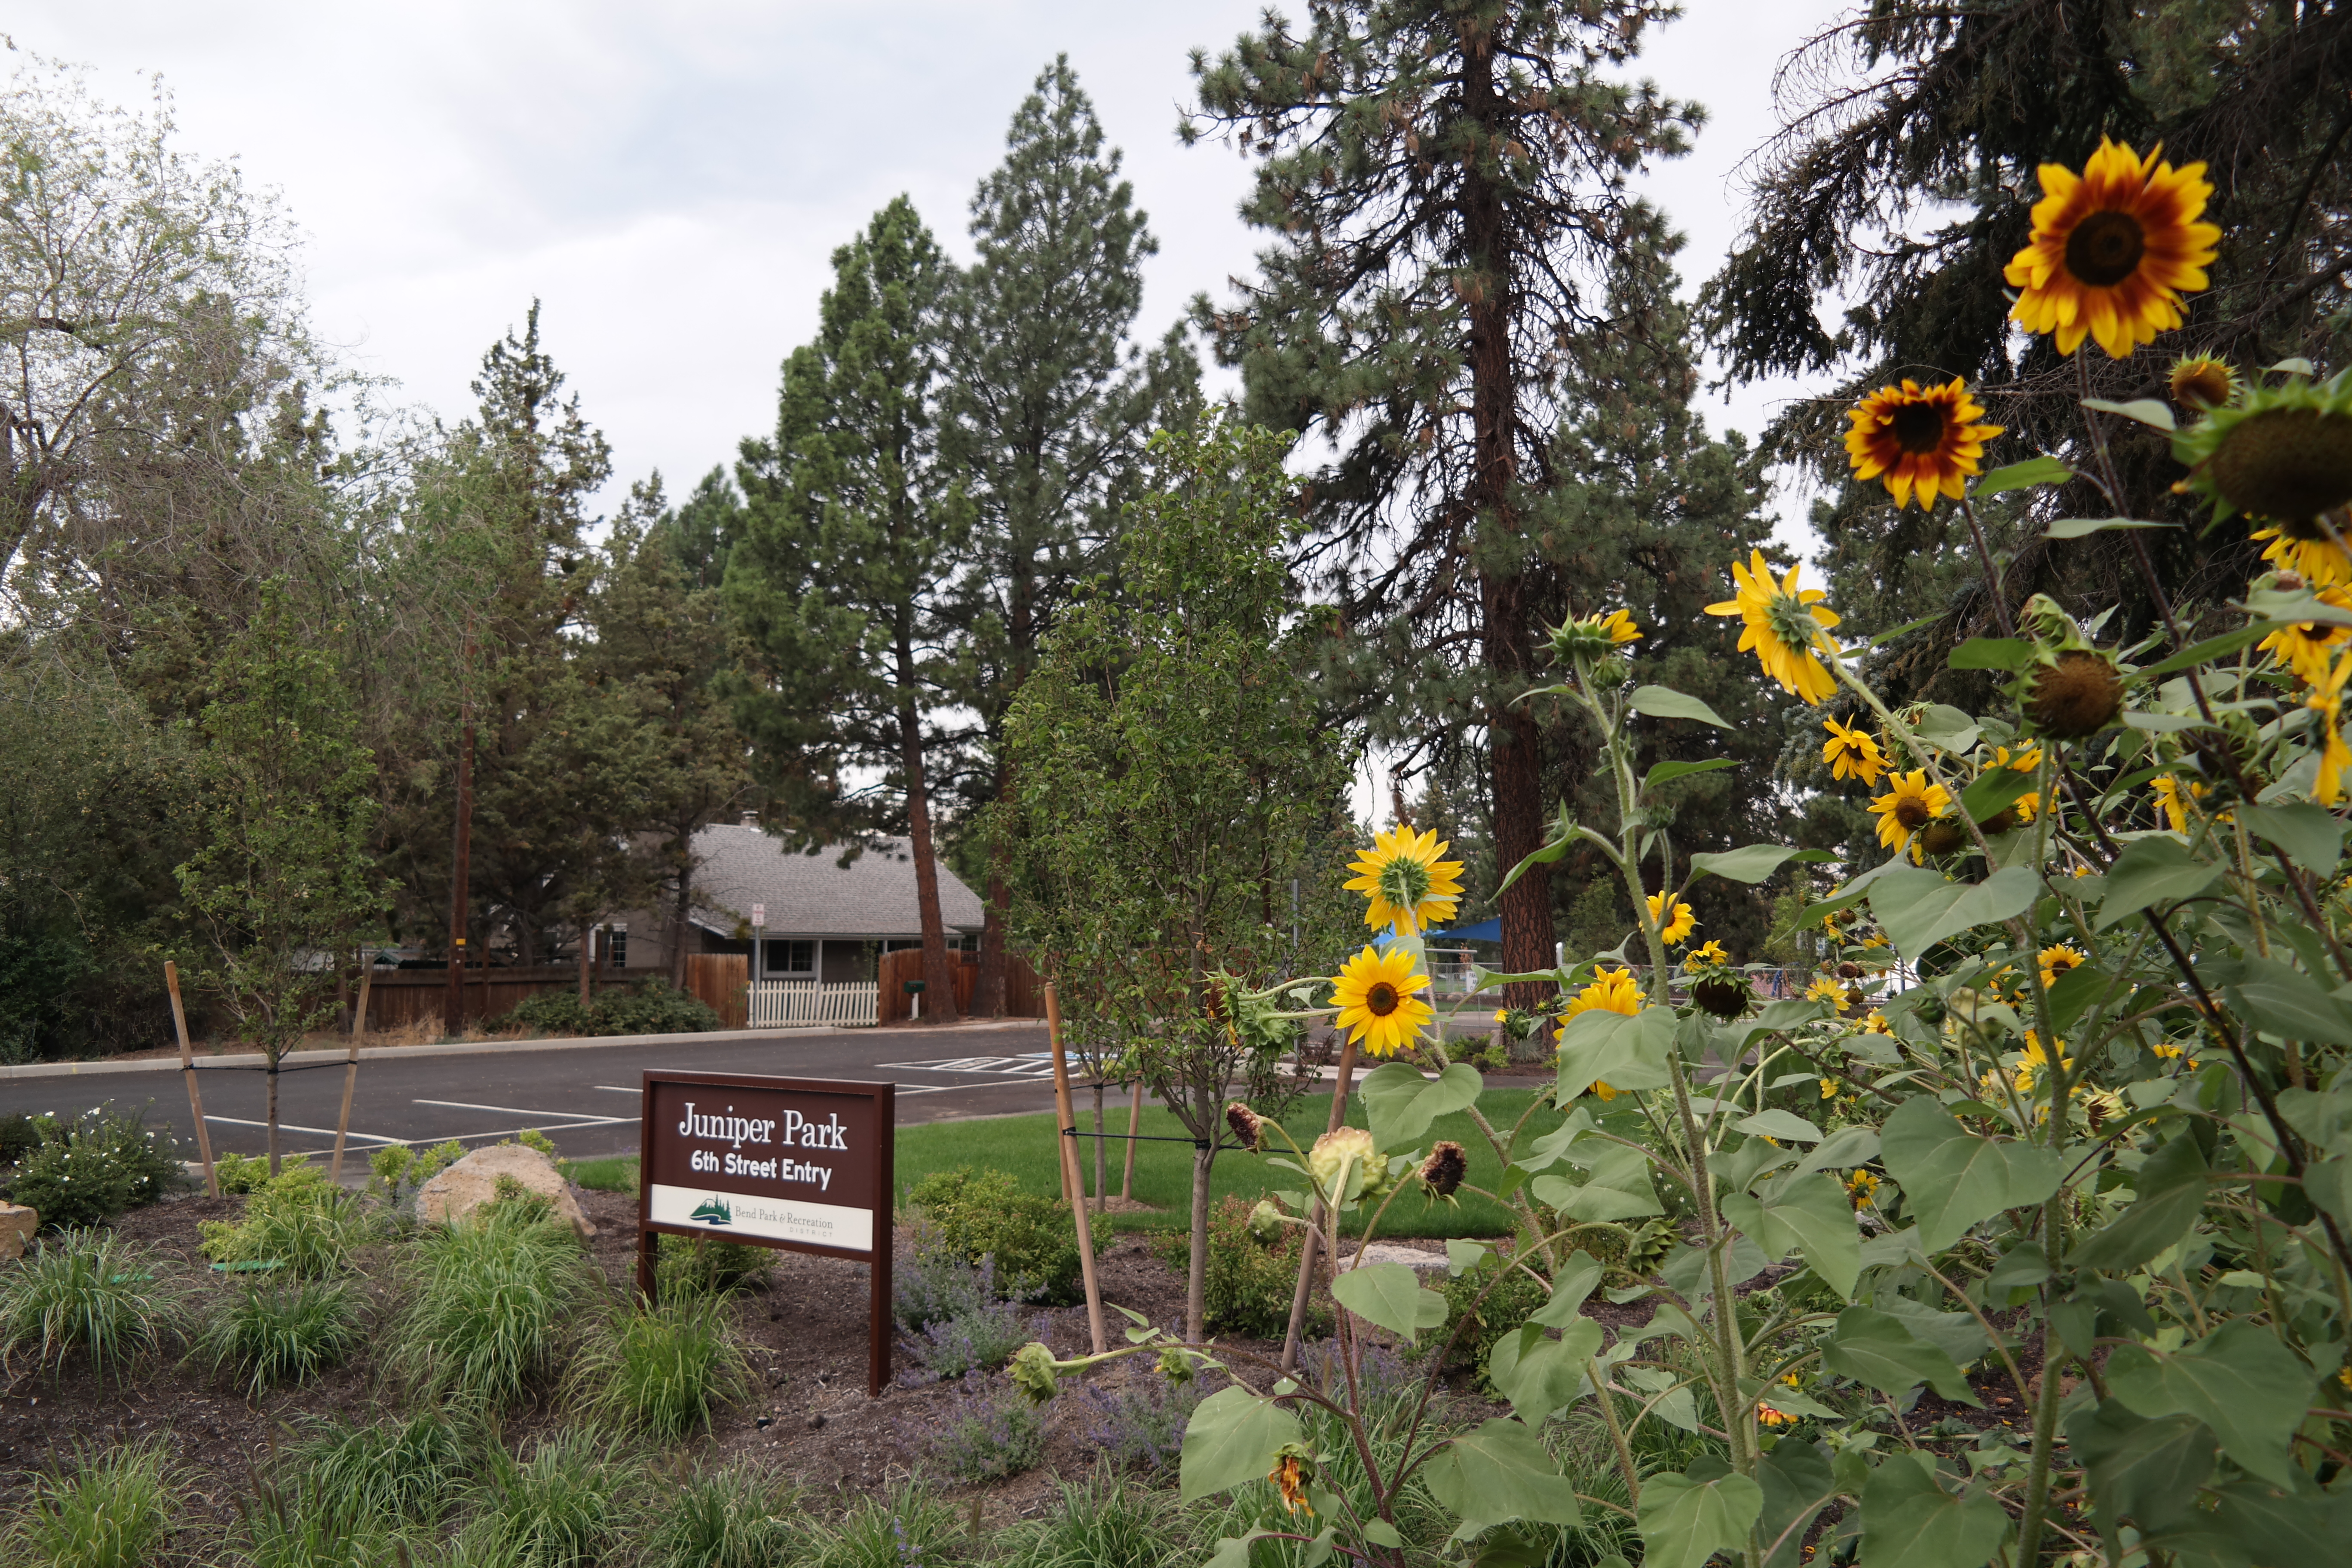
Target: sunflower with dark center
2057 959
1783 626
2308 647
1374 991
2282 453
1249 1127
2201 381
1723 994
1922 441
2078 695
1853 754
2113 249
1911 803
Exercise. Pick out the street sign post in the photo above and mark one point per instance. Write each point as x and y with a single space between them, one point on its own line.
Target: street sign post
798 1164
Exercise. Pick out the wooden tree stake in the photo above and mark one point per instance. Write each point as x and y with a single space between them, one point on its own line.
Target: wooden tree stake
1072 1182
1299 1297
351 1074
188 1066
1134 1126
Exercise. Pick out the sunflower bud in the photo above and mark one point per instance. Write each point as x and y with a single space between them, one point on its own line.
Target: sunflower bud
1176 1366
2079 695
2202 382
1249 1127
1336 1149
2283 453
1442 1171
1032 1372
1849 970
1265 1221
1944 836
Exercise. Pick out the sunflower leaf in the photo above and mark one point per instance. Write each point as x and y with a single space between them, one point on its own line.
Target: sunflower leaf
2021 476
1401 1104
1666 703
2081 527
2148 411
1662 773
1991 653
1754 862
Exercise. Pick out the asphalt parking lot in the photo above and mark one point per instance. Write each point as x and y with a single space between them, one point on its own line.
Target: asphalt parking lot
583 1094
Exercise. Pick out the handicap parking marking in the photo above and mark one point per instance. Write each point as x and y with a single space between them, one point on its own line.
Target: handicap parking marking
1028 1066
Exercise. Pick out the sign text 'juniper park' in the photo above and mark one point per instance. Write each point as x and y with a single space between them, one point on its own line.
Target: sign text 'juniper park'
801 1165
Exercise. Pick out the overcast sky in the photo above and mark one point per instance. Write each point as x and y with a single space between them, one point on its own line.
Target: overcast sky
671 176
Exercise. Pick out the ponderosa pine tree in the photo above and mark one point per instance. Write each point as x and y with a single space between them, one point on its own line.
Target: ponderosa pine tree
850 530
1903 183
1445 181
1047 407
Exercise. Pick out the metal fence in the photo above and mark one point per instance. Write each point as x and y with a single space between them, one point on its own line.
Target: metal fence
805 1003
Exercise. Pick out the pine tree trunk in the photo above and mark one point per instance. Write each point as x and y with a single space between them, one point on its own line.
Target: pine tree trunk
938 979
1196 1281
680 915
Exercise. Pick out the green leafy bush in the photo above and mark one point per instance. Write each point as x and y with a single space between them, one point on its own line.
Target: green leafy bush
278 1333
114 1510
298 1218
238 1174
92 1293
706 1266
664 1370
654 1007
494 1301
1249 1282
984 1214
90 1169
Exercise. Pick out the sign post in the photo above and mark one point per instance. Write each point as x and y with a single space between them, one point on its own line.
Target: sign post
797 1164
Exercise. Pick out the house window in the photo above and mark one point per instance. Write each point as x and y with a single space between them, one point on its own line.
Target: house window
616 947
787 958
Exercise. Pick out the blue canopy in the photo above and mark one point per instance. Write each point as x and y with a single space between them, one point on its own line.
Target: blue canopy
1484 931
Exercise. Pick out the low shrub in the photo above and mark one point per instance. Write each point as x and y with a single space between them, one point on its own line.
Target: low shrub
1249 1282
734 1517
1102 1523
237 1175
113 1511
935 1281
559 1509
1514 1299
652 1007
981 1339
393 1472
910 1527
278 1333
706 1266
1140 1426
92 1293
298 1218
984 1214
616 1175
396 1171
494 1301
664 1370
985 1434
88 1169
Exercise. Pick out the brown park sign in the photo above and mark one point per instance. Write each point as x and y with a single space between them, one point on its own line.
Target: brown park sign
800 1164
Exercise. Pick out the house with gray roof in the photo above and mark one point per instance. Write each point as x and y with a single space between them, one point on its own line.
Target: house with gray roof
823 919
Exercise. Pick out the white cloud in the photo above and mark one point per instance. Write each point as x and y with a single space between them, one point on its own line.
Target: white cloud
671 178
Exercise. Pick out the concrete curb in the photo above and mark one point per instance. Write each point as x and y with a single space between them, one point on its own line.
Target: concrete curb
485 1048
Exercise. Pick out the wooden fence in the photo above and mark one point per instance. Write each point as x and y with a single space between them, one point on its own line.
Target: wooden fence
398 997
1024 997
721 979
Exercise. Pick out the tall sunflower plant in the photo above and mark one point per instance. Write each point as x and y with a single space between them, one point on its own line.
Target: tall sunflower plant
2026 1242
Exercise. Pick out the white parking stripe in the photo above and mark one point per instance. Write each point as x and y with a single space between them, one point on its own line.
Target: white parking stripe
514 1109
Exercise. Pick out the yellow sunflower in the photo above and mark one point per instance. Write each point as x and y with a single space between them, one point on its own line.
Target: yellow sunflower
1860 1186
1784 626
2306 648
1909 803
2113 249
1853 754
1674 927
1915 439
1708 954
1876 1024
2173 800
2038 1060
2317 559
2056 961
1619 625
1374 993
1612 991
1827 990
2325 699
1408 885
2027 759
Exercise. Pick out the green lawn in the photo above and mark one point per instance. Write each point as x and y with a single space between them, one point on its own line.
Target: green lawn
1023 1146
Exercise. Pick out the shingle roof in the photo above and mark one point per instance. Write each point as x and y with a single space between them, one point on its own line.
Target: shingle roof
813 895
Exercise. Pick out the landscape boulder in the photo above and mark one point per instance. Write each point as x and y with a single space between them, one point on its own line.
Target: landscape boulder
17 1224
473 1180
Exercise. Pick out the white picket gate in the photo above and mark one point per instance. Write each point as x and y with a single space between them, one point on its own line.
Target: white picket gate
805 1003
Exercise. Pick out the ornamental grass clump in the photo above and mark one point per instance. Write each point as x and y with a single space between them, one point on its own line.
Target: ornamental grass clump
494 1301
114 1508
297 1219
1102 1522
394 1471
561 1507
662 1369
289 1332
94 1296
732 1516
